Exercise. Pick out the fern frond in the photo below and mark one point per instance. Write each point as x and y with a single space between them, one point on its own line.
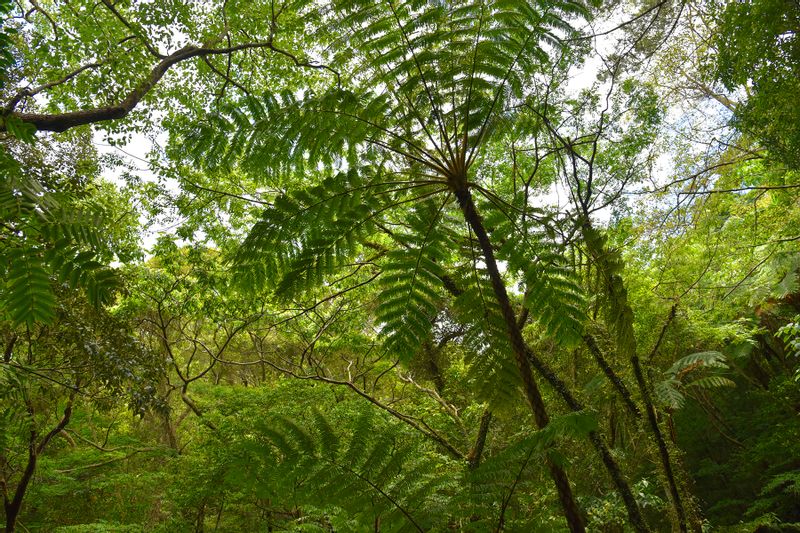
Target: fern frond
514 468
79 227
698 359
552 289
618 312
421 81
669 392
492 372
54 237
683 374
28 296
367 473
411 280
310 233
712 382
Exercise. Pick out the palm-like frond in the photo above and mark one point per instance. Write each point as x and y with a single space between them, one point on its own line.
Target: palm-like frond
492 371
613 293
365 473
310 233
552 290
420 81
49 239
493 485
694 370
411 281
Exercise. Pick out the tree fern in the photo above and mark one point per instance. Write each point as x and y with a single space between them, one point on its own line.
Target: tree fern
695 360
614 295
619 316
442 63
365 474
49 237
411 281
422 87
693 370
421 81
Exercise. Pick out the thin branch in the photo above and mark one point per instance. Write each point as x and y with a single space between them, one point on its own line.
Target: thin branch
145 41
417 424
741 189
107 462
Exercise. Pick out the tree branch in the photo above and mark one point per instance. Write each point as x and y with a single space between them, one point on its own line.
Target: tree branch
58 122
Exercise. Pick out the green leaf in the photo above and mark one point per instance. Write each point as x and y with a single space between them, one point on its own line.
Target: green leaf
23 131
30 298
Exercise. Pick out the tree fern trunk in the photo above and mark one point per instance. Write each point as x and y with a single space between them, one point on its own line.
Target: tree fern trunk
521 351
612 376
474 457
626 346
663 451
532 394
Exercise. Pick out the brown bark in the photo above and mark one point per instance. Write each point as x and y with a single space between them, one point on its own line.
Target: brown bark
58 122
530 389
474 457
169 430
14 505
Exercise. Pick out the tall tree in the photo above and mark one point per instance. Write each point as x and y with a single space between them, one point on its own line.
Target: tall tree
452 81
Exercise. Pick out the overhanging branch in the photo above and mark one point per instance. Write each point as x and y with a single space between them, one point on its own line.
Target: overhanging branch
58 122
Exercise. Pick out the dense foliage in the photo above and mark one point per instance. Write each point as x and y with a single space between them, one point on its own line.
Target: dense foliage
406 266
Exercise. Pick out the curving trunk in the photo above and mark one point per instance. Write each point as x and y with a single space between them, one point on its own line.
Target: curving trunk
524 358
531 390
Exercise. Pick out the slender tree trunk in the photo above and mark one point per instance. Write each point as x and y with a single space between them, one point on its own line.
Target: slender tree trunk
14 505
666 463
531 390
200 520
616 292
474 457
612 376
612 425
169 429
523 353
663 451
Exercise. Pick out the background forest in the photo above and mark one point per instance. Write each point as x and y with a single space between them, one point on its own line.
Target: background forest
422 265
